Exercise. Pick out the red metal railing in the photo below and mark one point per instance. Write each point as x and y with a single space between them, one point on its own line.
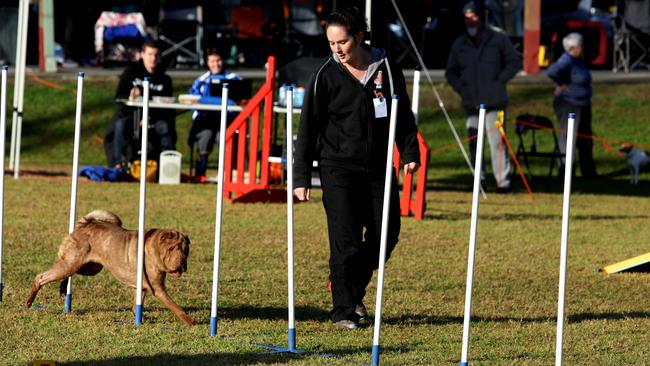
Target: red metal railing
251 165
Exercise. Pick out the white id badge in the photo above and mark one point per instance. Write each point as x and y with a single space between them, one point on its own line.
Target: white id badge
381 110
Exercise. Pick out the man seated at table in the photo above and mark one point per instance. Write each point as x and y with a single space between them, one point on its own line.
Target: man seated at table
205 124
120 144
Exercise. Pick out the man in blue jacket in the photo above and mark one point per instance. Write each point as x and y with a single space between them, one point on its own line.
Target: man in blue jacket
480 63
205 125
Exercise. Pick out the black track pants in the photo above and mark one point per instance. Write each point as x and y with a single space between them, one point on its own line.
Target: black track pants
353 202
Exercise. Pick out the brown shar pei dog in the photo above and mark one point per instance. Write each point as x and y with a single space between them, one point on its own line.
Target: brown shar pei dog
99 241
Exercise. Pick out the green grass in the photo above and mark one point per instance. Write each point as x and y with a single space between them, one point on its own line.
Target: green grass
516 276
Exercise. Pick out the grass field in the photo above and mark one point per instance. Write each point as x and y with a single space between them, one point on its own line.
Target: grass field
517 260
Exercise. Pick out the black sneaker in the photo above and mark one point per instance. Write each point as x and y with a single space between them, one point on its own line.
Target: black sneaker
504 189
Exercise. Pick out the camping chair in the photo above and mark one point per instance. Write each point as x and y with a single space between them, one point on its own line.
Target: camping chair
528 125
181 30
631 42
119 36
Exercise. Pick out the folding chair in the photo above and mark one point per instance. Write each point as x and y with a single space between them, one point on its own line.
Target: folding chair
528 146
182 31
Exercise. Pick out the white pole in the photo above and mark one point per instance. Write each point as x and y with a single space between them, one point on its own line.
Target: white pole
369 15
217 224
75 174
21 89
143 197
3 123
415 103
564 245
17 73
384 229
289 133
472 235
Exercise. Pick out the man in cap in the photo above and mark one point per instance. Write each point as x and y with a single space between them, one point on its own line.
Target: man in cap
481 62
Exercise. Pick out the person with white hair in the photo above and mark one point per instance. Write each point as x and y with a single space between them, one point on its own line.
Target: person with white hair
573 95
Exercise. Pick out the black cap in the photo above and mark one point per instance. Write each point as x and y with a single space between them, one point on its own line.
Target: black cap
470 7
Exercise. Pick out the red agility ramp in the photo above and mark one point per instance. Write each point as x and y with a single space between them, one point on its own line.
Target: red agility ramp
246 177
410 204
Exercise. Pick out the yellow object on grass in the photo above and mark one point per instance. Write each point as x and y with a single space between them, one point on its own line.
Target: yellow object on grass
640 263
152 169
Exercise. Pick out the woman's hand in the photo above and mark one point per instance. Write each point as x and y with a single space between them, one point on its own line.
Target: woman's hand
302 193
559 89
411 168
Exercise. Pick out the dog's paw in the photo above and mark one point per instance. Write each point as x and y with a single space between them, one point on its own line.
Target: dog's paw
63 287
188 320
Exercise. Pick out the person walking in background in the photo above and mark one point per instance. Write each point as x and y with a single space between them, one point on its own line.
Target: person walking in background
480 63
205 125
573 95
344 125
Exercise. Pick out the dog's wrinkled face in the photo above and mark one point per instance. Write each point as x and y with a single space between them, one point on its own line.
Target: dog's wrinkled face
174 249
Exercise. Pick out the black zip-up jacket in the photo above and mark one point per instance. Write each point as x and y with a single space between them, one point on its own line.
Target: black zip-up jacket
479 72
160 84
338 125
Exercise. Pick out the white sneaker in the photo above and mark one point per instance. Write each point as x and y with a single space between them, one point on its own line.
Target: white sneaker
347 324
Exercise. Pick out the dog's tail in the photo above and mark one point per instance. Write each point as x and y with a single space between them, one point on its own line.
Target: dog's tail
99 216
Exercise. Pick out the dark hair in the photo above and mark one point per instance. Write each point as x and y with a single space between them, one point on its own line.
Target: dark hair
150 44
350 18
212 52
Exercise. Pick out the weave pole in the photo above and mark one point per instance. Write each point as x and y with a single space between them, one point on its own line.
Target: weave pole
3 123
472 235
384 229
143 199
21 59
415 103
19 72
67 307
219 213
564 244
291 341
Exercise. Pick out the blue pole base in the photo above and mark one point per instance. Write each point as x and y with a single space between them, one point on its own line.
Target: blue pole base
281 349
213 326
138 314
1 289
292 339
375 355
463 363
67 307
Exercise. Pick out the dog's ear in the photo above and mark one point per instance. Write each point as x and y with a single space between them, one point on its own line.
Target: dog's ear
185 242
625 147
184 238
177 237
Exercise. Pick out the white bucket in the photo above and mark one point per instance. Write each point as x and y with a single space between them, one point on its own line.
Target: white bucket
170 167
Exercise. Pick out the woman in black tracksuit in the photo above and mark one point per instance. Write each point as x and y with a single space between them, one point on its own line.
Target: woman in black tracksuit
344 126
